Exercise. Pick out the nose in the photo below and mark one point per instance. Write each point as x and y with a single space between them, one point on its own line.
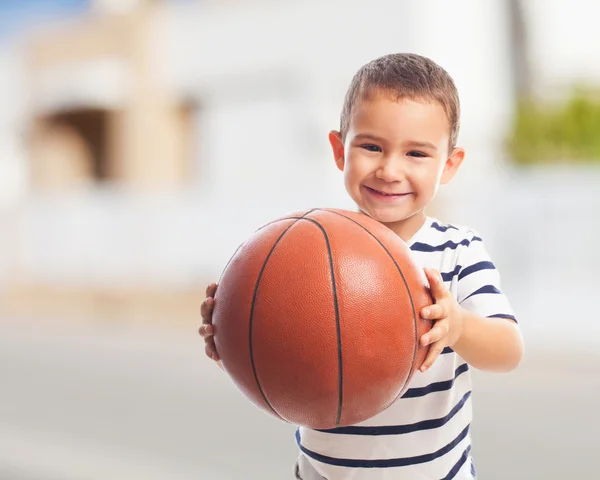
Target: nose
390 169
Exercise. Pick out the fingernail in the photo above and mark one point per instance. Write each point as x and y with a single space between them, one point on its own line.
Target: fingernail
423 368
426 312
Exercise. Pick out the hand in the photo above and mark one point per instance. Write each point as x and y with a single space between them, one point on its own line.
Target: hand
206 330
447 315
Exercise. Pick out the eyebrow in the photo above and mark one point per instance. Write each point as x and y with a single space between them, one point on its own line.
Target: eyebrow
422 145
368 136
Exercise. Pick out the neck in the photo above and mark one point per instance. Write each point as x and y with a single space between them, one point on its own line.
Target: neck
407 227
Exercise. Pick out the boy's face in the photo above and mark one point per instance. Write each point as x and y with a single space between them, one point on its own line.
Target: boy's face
394 157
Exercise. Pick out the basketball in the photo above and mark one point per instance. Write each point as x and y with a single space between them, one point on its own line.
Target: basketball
316 318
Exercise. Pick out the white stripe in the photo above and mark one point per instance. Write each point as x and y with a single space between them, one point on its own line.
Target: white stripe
381 447
442 261
436 469
433 405
442 369
488 304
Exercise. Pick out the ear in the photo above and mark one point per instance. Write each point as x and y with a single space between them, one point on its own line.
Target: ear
452 165
337 147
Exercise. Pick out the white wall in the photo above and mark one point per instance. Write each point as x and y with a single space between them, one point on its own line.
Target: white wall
565 41
270 79
324 43
12 111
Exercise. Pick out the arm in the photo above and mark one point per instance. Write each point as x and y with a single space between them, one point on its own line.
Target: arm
477 322
491 344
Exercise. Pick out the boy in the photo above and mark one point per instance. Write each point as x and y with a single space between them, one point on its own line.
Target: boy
396 145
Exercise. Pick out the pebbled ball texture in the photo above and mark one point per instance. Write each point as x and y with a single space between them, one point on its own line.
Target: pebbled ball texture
317 318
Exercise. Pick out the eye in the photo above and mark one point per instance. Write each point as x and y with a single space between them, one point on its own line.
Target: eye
415 153
371 148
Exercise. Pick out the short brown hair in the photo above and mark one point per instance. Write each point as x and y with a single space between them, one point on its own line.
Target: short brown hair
404 75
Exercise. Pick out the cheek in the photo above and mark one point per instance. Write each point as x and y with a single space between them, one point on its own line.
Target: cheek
351 179
354 172
440 171
428 178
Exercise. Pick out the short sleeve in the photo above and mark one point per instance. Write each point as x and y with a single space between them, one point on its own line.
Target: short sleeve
479 287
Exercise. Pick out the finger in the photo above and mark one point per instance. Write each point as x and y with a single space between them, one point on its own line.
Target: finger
436 284
435 311
437 332
206 330
206 309
434 352
211 350
211 290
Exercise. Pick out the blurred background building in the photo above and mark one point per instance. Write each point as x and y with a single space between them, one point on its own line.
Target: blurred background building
142 140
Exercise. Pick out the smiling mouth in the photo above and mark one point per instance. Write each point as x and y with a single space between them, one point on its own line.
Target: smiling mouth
386 194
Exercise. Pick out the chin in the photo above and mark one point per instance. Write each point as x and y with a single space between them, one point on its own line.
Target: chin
384 217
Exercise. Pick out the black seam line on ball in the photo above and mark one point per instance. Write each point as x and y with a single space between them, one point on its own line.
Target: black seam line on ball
286 218
257 230
403 279
251 321
337 321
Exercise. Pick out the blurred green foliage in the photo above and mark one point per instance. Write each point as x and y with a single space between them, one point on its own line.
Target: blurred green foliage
566 133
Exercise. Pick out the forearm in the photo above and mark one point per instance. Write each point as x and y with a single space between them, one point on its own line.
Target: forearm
492 344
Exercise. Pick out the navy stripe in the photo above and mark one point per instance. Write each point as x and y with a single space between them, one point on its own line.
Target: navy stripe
437 386
425 247
382 463
442 228
503 315
446 350
447 276
485 289
402 429
458 270
458 465
476 267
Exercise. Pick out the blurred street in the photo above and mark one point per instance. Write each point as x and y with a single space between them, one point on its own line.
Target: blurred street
126 402
118 401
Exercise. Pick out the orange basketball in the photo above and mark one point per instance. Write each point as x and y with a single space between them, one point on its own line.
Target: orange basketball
317 320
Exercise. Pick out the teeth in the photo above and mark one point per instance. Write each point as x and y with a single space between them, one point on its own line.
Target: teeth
384 193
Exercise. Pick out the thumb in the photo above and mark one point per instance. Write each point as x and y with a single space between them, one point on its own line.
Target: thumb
436 283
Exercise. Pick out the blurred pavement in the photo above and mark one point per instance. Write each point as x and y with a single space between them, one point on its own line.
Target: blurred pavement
132 401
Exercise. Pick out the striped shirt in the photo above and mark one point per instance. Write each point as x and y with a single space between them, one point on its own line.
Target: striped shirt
424 435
